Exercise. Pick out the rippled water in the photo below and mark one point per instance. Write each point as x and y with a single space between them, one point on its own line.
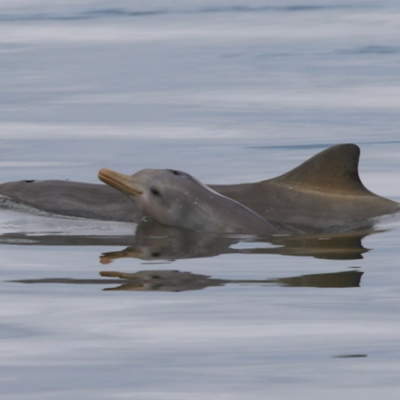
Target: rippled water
231 93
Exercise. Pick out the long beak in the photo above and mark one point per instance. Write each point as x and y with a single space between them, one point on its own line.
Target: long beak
121 182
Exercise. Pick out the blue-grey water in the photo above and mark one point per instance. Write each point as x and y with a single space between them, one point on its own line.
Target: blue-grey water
230 92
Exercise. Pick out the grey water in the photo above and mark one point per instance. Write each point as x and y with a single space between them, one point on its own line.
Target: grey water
230 92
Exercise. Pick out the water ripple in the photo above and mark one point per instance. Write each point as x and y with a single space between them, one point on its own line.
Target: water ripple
124 13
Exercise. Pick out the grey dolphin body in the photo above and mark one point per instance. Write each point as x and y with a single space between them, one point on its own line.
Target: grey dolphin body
74 199
175 198
323 192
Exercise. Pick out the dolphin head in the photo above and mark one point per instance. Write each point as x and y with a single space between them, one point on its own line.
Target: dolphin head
165 195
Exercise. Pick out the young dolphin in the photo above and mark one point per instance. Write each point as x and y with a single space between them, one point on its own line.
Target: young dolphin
175 198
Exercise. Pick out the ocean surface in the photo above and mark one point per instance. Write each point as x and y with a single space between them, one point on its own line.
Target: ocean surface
231 92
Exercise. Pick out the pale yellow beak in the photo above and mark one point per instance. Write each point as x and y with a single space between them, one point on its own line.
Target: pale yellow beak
121 182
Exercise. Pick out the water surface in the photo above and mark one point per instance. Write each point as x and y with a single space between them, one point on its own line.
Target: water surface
229 93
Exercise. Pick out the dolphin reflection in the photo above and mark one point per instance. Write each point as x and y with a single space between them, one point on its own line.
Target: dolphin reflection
154 241
177 281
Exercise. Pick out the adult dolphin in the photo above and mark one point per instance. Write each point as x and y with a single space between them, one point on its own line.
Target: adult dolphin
323 192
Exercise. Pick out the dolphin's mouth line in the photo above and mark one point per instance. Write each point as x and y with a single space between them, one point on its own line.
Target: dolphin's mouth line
118 181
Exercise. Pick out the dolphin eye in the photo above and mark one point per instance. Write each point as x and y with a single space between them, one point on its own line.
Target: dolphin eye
175 172
155 191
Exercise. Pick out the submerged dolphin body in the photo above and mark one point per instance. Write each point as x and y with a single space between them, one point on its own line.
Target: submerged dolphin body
322 193
73 199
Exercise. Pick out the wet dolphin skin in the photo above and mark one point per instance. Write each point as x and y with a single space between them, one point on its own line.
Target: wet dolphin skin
175 198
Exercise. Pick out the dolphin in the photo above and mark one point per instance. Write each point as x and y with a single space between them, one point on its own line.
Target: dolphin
323 193
70 198
175 198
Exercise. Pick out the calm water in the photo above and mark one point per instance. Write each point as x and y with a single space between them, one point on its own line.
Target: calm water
231 92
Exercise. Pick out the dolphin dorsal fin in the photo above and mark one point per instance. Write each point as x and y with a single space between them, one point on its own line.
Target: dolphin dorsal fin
332 170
